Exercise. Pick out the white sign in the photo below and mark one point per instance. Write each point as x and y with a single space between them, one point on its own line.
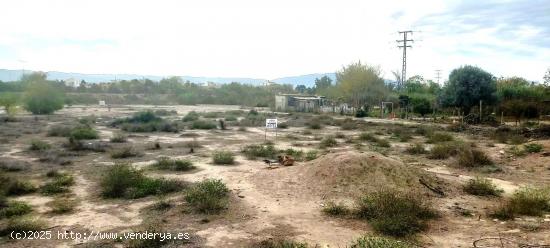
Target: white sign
270 123
101 103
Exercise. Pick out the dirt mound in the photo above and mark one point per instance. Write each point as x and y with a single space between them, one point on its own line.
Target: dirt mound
341 174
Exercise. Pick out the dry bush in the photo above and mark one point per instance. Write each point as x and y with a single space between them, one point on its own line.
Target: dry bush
482 187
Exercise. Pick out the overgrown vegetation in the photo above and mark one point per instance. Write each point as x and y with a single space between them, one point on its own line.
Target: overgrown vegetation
396 213
379 242
62 205
166 163
223 157
23 224
10 209
533 147
145 121
482 187
125 152
209 196
525 201
123 181
118 138
438 137
263 151
328 141
416 148
38 145
334 209
59 183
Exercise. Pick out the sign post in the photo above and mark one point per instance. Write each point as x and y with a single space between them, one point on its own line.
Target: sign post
270 124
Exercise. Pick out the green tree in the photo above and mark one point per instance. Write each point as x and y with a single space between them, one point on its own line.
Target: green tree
519 98
361 85
41 96
323 83
421 106
468 85
8 100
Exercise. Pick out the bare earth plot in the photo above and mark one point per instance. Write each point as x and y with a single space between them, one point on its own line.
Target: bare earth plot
275 202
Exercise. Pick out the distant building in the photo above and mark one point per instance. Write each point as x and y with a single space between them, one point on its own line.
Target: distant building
299 103
72 82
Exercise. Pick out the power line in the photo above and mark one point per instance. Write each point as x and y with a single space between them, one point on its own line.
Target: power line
438 75
403 44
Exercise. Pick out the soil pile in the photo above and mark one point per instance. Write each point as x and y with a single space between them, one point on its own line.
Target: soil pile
348 173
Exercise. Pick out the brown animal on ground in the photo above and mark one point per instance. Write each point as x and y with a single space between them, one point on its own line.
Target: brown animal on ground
286 160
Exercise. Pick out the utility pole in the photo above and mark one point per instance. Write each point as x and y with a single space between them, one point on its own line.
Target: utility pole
403 44
438 75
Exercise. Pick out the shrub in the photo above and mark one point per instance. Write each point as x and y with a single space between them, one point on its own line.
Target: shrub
223 157
368 137
119 138
311 155
264 151
165 163
231 118
482 187
395 213
416 148
282 125
424 131
123 181
438 137
23 224
314 125
208 196
334 209
14 208
126 152
379 242
83 132
471 157
156 126
348 124
296 154
203 124
191 116
42 98
444 150
533 147
12 186
151 241
517 151
60 184
328 141
383 143
38 145
402 133
516 139
62 205
280 243
525 201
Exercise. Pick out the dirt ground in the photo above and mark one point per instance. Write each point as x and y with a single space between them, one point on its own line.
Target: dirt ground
285 202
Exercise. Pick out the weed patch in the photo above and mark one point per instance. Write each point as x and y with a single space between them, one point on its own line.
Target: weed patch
208 196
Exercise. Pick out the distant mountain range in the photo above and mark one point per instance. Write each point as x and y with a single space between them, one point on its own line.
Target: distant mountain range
307 80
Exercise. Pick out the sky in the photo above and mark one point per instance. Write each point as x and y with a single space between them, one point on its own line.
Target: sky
271 39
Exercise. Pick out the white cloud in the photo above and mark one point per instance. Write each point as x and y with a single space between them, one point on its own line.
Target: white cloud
245 38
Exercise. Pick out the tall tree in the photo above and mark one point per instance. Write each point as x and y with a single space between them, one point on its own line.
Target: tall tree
323 82
547 78
361 84
468 85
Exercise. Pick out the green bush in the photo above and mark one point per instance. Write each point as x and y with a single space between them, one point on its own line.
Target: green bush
208 196
280 243
334 209
232 118
84 132
424 130
165 163
517 151
379 242
533 147
191 116
38 145
223 157
125 152
383 143
314 124
119 138
444 150
298 155
263 151
311 155
62 205
13 186
471 157
368 137
14 208
60 131
482 187
203 124
123 181
145 121
439 137
328 141
416 148
23 224
42 98
60 184
525 201
395 213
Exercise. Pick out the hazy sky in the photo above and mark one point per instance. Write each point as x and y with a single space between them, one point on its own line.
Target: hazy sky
269 39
